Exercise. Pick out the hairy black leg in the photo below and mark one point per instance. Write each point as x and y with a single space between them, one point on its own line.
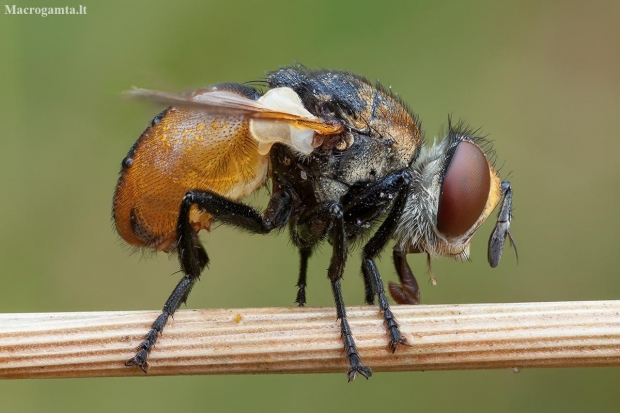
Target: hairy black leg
178 296
192 256
408 291
355 362
374 247
370 290
364 205
224 210
335 272
305 254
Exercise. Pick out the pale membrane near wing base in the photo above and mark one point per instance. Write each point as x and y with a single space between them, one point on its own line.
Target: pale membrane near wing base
268 132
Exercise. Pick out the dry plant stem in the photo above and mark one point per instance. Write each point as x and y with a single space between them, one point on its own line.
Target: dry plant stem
306 340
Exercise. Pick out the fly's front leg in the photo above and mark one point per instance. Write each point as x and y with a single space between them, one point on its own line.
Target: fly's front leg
193 257
397 183
369 204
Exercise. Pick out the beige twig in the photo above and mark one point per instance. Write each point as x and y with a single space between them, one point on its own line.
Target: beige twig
307 340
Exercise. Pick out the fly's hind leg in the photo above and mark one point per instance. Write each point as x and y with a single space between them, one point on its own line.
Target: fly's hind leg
193 257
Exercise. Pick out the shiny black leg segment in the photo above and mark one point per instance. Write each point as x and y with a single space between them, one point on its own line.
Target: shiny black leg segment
192 256
335 271
369 288
408 291
339 240
391 325
350 349
224 210
375 246
305 254
178 296
365 205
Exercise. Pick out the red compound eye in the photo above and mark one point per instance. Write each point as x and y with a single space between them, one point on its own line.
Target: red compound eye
464 191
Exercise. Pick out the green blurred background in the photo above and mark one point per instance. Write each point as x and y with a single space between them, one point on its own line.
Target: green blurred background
541 79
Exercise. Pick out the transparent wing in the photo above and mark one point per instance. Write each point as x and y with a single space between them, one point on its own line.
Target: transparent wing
227 103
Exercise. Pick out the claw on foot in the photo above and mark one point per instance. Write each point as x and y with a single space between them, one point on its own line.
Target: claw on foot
395 343
361 369
139 360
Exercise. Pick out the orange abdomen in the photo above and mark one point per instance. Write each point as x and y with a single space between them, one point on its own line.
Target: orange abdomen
183 150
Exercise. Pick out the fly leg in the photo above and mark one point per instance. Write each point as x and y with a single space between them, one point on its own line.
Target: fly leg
193 257
335 272
305 254
398 184
364 206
